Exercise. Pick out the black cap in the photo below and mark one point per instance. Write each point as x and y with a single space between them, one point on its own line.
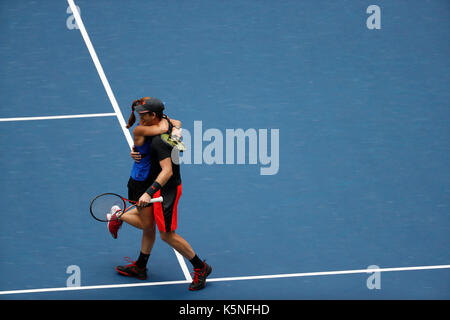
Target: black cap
150 105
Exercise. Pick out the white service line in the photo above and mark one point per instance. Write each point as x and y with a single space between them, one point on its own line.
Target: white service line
72 116
114 104
261 277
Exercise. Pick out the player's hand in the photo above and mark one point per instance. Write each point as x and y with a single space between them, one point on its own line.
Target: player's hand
135 155
176 133
144 200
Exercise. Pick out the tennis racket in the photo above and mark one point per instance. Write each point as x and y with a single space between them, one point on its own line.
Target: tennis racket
173 141
101 205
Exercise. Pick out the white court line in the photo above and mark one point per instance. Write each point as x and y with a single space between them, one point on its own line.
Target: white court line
274 276
72 116
100 71
114 104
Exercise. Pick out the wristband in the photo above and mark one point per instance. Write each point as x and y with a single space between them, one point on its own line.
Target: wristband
153 189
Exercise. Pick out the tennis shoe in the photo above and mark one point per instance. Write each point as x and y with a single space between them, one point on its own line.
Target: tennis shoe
200 275
132 270
114 223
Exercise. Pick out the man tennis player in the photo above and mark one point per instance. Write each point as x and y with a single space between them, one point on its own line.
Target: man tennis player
139 181
166 183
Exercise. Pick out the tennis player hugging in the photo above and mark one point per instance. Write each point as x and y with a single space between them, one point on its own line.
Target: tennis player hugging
154 174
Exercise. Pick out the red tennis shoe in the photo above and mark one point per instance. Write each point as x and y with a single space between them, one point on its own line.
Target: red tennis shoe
132 270
114 223
200 275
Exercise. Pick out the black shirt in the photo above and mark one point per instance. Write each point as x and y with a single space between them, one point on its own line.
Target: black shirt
159 150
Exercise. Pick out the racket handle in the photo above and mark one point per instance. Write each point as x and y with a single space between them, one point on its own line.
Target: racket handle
159 199
153 200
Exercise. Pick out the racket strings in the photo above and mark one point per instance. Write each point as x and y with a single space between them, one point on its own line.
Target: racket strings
103 205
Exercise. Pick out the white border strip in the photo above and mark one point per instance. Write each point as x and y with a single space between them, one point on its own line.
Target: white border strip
113 101
275 276
100 71
73 116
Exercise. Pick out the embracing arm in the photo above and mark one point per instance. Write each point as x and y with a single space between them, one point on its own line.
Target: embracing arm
153 130
156 129
141 131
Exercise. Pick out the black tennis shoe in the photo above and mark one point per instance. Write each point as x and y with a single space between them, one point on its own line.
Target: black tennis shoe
132 270
200 275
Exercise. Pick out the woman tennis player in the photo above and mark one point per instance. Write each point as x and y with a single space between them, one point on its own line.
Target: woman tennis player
166 182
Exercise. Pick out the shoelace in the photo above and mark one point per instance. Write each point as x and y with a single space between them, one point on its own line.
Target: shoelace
131 261
195 275
198 272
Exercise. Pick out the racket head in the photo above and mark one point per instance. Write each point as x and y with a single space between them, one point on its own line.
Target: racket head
101 206
173 141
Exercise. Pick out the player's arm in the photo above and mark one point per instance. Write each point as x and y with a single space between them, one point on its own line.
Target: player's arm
160 181
153 130
156 129
139 134
166 171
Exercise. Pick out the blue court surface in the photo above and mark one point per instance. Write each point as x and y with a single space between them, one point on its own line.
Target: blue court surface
357 154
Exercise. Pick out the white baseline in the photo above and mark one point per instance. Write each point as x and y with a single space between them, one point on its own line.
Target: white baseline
274 276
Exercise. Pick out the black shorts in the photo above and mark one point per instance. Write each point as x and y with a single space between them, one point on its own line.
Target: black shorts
166 212
137 188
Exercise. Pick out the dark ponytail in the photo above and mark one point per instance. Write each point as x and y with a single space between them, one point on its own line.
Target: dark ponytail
132 118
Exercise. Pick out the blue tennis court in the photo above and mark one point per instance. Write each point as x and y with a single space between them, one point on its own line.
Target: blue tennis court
346 161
